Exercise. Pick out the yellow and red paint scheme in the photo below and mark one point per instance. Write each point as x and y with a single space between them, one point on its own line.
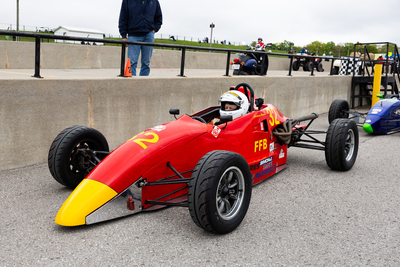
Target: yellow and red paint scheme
180 143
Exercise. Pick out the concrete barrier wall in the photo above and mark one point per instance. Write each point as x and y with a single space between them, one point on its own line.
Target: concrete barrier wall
21 55
34 111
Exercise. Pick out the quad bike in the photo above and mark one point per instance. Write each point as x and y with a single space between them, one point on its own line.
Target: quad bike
307 63
250 63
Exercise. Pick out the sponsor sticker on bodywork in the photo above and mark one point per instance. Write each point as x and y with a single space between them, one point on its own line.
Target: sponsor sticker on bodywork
216 130
281 154
267 160
159 128
376 110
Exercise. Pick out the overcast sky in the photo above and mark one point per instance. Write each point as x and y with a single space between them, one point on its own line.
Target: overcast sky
300 22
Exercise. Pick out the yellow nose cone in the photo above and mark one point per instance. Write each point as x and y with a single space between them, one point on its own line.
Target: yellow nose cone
87 197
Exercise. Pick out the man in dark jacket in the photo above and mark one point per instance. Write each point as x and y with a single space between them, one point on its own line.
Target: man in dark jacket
139 20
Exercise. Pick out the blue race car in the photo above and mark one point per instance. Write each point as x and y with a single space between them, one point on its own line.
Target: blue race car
382 118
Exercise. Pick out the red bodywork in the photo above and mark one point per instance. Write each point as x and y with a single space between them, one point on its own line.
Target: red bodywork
152 169
183 142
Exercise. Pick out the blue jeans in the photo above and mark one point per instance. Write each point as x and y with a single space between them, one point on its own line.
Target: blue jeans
147 51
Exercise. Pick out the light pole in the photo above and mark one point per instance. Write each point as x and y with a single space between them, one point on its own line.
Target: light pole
212 26
17 19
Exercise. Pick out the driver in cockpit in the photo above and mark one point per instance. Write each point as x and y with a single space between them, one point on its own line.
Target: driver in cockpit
233 103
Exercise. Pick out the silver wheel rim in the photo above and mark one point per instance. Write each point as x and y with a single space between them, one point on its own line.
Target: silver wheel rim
230 193
349 145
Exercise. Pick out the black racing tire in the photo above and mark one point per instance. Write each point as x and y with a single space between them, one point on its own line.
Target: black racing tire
338 109
296 65
220 191
341 144
67 165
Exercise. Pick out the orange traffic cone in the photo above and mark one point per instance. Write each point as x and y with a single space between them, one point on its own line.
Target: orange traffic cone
128 70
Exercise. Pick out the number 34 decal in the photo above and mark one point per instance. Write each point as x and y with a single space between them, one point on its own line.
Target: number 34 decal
274 117
153 138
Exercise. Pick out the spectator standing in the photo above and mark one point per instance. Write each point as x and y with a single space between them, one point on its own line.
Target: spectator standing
139 20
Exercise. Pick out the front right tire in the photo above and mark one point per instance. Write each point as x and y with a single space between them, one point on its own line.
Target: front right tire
68 163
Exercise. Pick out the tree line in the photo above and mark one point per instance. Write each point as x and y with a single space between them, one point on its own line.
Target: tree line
336 50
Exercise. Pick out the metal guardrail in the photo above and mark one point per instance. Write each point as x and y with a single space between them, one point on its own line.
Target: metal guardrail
183 48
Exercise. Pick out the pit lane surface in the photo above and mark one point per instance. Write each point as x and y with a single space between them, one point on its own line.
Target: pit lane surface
305 215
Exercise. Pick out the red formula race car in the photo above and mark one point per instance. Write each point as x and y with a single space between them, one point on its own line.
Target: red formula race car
206 161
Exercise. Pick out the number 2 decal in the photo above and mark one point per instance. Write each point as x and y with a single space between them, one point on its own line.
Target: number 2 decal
142 141
274 117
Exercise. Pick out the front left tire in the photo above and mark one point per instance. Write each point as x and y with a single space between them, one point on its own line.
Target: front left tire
220 191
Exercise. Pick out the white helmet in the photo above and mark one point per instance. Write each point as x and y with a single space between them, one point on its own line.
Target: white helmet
236 98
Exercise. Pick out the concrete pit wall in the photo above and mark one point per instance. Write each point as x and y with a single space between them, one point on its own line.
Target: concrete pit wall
34 111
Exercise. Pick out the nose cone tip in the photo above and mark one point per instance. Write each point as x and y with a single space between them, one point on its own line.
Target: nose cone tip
88 196
67 218
368 128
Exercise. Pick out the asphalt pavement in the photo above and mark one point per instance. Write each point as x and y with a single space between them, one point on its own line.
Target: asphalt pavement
306 215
